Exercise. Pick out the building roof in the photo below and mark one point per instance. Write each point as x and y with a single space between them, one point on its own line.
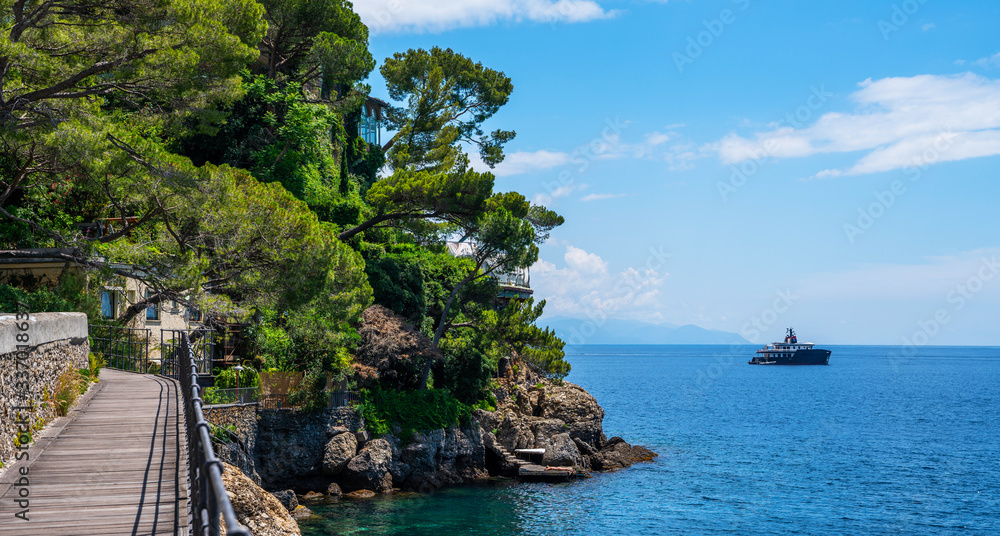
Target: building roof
34 255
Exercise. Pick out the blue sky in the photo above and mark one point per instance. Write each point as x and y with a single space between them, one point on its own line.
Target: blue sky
746 165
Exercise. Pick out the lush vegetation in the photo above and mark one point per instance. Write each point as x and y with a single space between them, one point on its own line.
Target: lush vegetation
413 411
218 142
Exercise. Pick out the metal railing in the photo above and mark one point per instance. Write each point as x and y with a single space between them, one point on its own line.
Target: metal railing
243 395
208 493
202 348
120 347
233 450
274 402
337 399
340 399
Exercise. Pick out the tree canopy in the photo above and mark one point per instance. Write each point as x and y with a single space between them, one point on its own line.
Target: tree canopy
211 151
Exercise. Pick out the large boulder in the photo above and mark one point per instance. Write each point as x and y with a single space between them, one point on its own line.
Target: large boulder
544 430
439 457
560 450
617 454
338 452
370 468
574 406
514 432
255 508
287 498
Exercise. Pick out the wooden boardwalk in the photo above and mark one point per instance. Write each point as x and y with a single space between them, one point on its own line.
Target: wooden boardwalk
116 465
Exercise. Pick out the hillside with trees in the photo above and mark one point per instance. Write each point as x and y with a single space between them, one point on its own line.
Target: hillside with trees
222 139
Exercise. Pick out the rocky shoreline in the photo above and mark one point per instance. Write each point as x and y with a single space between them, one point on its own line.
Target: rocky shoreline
341 459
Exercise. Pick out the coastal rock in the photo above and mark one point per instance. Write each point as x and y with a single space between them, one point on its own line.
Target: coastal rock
370 468
360 494
256 509
333 430
574 406
514 432
338 452
617 454
333 490
541 414
562 451
301 512
362 437
487 420
544 430
312 497
440 457
290 445
534 415
287 498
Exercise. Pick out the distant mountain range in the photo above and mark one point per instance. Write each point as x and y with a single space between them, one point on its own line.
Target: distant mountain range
613 331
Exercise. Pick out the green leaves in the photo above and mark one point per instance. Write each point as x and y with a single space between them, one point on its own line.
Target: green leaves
448 98
427 194
315 40
513 332
175 55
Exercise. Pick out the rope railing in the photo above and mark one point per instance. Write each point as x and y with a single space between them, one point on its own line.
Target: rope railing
208 493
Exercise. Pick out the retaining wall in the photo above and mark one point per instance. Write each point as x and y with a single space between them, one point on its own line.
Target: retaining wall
34 353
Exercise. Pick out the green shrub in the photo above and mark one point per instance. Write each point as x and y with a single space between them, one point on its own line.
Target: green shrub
96 363
70 294
226 379
68 389
466 372
39 301
211 396
220 434
488 404
412 411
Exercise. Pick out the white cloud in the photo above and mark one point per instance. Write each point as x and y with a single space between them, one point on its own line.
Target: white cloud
404 16
990 62
928 27
600 197
522 162
902 122
667 146
586 287
562 191
589 263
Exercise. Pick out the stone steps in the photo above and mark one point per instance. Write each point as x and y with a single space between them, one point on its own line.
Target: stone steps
517 461
511 459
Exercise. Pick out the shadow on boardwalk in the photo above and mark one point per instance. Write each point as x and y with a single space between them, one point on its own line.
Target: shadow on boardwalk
116 465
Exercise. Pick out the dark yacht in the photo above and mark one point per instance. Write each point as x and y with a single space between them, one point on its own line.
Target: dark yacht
791 352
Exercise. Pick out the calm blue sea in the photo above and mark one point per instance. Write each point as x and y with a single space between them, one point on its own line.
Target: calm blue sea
875 443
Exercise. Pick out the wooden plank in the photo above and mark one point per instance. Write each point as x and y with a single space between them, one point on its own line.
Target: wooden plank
119 466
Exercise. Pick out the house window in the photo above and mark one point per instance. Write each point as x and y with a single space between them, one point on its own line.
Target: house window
109 303
194 315
152 311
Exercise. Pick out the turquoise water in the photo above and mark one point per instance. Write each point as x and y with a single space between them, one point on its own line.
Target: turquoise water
875 443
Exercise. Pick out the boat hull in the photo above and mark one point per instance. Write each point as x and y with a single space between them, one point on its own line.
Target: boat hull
813 356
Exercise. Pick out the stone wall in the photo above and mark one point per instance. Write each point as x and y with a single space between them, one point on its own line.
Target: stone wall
290 444
242 418
56 343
